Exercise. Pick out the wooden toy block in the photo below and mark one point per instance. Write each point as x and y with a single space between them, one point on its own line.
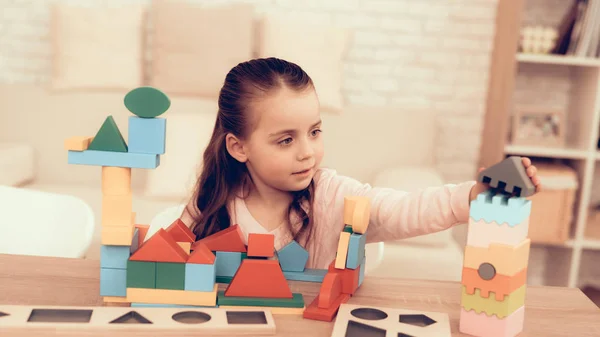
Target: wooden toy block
482 234
147 135
292 257
141 274
117 236
180 232
313 311
143 229
348 229
490 305
500 208
500 285
357 320
230 239
106 321
170 275
186 246
118 159
113 282
273 310
114 256
116 180
227 263
162 305
108 138
161 247
356 250
308 275
342 251
482 324
203 255
261 245
116 210
170 296
331 289
224 279
508 176
506 260
147 102
296 301
78 143
200 277
349 278
259 278
114 299
357 210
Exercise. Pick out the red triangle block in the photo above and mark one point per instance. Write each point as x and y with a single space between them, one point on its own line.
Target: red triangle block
201 255
259 278
227 240
161 247
180 232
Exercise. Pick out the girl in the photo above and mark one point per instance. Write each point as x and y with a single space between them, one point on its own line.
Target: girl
261 171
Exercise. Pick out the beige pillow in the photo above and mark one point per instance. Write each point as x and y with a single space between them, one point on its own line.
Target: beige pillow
194 47
318 49
97 47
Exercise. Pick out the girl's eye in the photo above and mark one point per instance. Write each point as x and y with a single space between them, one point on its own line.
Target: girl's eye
316 132
286 141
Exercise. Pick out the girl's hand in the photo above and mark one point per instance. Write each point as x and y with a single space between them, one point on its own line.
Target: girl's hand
531 173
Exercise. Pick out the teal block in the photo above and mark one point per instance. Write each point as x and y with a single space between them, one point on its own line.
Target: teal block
117 159
113 282
307 275
500 208
361 271
356 250
159 305
114 257
147 135
292 257
200 277
227 263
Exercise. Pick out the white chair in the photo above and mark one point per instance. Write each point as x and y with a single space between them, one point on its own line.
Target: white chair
44 224
373 253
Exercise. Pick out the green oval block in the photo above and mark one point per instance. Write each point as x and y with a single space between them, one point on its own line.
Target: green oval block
147 102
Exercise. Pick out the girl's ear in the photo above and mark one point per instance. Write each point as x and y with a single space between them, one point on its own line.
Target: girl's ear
235 148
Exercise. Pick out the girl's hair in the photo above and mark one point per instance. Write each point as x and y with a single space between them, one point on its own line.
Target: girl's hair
223 176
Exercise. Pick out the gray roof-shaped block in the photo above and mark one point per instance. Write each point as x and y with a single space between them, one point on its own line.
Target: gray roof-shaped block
509 176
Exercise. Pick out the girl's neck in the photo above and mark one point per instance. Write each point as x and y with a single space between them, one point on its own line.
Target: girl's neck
268 196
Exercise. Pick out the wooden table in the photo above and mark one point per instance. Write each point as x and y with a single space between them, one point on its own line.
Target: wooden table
550 311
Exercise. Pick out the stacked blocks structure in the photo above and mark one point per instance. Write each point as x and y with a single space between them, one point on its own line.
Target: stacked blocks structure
496 257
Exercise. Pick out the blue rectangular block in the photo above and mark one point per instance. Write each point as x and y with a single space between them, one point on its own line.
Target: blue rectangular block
361 271
114 256
118 159
308 275
227 263
147 135
113 282
356 250
200 277
159 305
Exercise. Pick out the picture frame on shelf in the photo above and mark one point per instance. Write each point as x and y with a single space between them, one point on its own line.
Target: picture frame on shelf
538 127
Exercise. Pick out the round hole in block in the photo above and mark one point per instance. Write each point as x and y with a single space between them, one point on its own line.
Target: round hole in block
191 317
369 314
486 271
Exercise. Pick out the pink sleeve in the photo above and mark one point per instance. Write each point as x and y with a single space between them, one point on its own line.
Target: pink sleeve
395 214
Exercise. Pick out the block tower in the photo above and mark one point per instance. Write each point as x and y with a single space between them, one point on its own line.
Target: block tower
496 257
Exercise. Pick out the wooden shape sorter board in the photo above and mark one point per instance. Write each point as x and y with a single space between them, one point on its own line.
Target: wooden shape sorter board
366 321
43 321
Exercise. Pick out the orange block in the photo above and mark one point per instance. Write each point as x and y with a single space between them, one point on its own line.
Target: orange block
261 245
180 232
202 255
116 236
349 277
186 246
78 143
116 180
227 240
161 247
259 278
116 210
142 231
331 289
324 314
500 285
342 251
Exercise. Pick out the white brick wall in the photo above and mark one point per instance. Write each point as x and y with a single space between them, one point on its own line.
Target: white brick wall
411 54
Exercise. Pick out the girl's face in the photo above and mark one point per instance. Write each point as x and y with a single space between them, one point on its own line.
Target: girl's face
285 146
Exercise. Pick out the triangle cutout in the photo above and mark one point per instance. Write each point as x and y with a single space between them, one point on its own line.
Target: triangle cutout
161 247
131 317
108 138
202 255
259 278
180 232
2 314
228 240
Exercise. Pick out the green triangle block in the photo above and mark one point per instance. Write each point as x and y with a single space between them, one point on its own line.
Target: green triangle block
147 102
109 138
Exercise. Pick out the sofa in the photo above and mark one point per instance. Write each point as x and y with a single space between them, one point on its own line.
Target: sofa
380 146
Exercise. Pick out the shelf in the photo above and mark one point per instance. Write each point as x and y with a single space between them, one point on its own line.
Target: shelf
559 60
540 151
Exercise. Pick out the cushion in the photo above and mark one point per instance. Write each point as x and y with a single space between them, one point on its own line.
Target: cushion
318 49
194 47
188 132
97 48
